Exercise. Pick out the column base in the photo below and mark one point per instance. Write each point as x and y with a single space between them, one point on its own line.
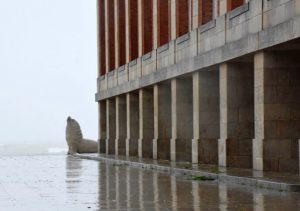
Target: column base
154 147
222 152
116 146
195 151
257 153
140 148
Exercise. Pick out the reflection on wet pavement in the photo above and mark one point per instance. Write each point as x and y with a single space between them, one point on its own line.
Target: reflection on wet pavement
68 183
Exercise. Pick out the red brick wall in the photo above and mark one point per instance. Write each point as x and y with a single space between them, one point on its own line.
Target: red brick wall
102 65
163 22
232 4
111 34
182 17
133 29
205 11
147 15
122 32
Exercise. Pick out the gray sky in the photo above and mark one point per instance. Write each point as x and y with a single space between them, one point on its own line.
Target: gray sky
48 69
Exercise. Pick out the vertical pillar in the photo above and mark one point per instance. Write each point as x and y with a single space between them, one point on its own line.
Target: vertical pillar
102 126
195 13
223 115
162 121
111 125
173 19
140 27
206 117
155 23
223 7
237 114
127 26
116 36
182 119
146 115
215 8
120 146
259 65
132 103
106 35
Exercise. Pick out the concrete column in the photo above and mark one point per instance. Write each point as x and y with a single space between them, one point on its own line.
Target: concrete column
146 115
277 108
195 15
102 136
223 115
223 7
236 115
116 3
162 121
206 117
127 31
155 34
120 144
132 112
196 99
259 65
106 35
173 20
182 119
140 28
215 9
111 125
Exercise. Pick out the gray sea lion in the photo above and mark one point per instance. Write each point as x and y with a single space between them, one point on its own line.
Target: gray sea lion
75 140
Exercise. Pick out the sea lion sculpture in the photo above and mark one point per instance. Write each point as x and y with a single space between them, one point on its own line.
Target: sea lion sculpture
75 140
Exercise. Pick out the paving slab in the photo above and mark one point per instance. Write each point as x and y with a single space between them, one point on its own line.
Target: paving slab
261 179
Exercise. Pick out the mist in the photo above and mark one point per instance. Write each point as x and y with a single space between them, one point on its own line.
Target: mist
48 66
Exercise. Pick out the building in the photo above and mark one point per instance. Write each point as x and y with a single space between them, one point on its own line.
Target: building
202 81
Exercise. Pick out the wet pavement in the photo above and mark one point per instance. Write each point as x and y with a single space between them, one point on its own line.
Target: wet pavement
59 182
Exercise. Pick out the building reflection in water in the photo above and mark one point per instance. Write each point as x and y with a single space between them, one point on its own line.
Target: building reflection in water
124 187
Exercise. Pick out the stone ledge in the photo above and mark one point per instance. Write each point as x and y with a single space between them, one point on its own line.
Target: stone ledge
186 169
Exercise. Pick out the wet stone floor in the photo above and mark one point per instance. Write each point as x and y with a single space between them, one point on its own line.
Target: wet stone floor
59 182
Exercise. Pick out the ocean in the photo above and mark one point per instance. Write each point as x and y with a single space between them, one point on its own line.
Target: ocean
32 149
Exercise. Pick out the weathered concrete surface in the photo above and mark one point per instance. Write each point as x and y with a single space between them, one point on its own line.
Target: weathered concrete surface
237 176
75 140
66 183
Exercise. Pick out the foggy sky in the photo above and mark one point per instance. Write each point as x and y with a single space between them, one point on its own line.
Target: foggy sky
48 69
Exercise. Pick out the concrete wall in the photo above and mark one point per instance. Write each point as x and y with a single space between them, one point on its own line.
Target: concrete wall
132 103
237 114
110 125
121 120
182 119
277 99
209 117
146 115
162 121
